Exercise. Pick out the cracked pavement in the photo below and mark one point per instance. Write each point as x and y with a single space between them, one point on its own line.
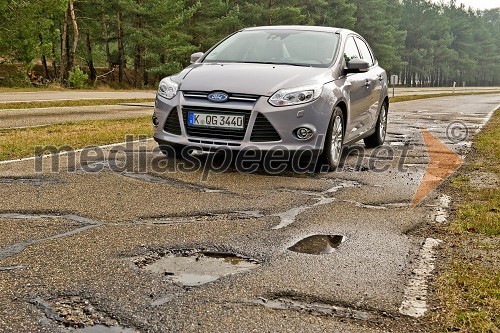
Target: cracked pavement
82 231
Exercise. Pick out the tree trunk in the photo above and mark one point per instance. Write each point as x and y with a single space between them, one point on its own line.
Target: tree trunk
270 20
64 48
54 60
138 50
106 39
45 70
76 35
121 54
90 60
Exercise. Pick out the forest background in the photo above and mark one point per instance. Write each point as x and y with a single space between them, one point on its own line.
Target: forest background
135 43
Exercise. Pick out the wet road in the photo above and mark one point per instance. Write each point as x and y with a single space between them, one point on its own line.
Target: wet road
133 241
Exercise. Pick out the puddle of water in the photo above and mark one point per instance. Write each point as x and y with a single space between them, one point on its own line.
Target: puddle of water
201 267
103 329
318 244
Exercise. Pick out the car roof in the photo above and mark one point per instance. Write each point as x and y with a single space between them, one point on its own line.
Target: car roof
299 27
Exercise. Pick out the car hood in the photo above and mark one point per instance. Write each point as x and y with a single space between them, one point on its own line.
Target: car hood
254 79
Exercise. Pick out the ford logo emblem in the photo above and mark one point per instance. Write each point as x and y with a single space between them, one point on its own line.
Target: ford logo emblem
218 97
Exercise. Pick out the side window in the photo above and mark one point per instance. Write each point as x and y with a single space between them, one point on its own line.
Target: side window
351 50
365 51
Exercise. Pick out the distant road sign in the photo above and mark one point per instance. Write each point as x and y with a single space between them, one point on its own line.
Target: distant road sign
394 79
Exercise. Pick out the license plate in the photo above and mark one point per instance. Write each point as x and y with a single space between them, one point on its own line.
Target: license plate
216 120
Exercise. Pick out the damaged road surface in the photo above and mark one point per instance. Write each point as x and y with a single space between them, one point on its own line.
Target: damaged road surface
149 250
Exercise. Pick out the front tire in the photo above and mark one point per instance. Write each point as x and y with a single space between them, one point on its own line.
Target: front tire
334 140
378 138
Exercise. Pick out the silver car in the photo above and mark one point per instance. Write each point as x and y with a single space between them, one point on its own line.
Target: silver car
279 87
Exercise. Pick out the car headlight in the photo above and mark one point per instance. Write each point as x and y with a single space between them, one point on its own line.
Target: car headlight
294 96
168 88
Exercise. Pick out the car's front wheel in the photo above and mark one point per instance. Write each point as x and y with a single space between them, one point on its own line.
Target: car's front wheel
378 137
334 140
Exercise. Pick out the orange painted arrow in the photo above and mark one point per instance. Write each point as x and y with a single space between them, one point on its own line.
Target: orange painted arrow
442 163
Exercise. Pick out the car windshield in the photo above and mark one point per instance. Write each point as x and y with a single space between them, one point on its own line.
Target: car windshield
291 47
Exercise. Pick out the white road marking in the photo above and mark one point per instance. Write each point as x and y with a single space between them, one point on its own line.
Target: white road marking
441 212
415 293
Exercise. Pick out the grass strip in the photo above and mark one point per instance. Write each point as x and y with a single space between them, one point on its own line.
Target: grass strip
406 98
78 102
468 289
19 143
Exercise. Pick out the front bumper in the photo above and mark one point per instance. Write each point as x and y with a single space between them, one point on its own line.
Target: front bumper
266 127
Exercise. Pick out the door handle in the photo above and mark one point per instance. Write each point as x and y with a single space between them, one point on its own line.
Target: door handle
367 84
380 78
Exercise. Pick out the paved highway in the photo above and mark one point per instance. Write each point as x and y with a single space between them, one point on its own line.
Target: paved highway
148 243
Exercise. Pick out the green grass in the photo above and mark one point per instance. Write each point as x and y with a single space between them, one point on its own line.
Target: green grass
406 98
19 143
79 102
473 297
468 289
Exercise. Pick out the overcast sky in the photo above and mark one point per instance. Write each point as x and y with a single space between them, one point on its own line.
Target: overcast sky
476 4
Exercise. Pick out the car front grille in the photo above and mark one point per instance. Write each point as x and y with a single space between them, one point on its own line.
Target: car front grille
215 133
172 124
233 97
263 130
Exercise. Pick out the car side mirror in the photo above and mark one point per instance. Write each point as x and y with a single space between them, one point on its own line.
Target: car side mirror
356 65
196 56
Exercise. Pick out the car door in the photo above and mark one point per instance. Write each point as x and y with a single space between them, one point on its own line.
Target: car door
374 80
359 93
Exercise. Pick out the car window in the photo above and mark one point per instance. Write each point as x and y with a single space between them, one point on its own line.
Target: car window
365 51
351 50
295 47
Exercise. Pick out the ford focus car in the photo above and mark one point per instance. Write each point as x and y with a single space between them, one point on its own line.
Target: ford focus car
287 87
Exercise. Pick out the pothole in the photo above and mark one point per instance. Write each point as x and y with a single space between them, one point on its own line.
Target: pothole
205 217
318 244
192 268
77 314
317 308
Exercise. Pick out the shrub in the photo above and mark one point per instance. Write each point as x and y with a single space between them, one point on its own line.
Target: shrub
16 79
77 78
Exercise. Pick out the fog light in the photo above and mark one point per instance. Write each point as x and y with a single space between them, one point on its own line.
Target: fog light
155 121
304 133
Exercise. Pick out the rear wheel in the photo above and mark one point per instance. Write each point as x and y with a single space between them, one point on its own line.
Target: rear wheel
334 140
378 138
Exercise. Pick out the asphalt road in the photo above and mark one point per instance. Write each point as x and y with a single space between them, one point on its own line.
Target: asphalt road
18 118
88 237
30 96
19 96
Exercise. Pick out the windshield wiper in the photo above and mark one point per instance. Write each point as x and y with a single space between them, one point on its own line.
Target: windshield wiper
275 63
